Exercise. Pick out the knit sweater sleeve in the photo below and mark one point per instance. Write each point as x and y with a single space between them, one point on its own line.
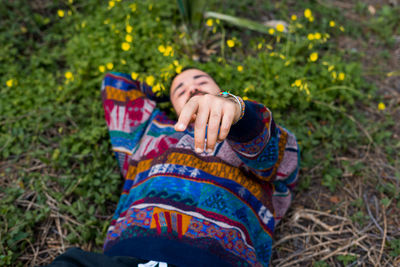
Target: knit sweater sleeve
128 108
266 149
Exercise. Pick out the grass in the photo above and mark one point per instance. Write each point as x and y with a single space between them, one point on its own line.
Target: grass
60 182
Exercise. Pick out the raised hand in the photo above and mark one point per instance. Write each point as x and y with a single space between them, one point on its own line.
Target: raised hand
218 112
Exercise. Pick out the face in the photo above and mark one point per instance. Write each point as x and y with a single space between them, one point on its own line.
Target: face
189 83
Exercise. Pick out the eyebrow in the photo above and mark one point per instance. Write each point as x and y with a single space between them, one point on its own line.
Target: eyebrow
199 76
194 78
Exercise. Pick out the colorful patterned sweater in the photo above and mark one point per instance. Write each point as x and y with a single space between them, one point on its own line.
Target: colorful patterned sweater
190 209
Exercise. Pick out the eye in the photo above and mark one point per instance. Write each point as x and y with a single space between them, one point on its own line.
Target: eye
205 82
183 91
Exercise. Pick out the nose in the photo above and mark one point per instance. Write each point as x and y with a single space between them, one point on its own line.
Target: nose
194 90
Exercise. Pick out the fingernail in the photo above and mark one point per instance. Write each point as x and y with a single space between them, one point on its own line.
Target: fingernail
198 150
209 150
180 126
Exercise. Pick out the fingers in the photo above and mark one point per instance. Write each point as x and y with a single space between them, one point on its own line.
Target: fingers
213 127
226 124
187 115
200 127
217 113
193 118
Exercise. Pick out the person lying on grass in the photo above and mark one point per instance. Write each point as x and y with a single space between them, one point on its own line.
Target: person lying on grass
206 190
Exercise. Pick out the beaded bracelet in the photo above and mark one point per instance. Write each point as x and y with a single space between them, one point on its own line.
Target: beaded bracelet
238 99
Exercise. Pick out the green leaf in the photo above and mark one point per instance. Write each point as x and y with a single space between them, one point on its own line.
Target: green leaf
240 22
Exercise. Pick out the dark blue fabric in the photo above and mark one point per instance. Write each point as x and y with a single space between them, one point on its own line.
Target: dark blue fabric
165 250
77 257
239 132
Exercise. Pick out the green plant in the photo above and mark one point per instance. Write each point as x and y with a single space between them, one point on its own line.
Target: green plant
395 247
347 259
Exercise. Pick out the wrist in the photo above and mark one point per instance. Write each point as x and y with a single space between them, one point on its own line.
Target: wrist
239 108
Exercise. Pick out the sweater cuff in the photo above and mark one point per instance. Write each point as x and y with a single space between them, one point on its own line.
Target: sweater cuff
249 127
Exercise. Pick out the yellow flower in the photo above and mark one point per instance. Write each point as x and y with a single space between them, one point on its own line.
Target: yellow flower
133 7
245 98
161 48
317 36
314 56
330 68
110 66
102 68
209 22
178 69
269 47
341 76
128 28
134 75
381 106
311 19
10 83
150 7
123 61
297 83
69 12
125 46
294 17
150 80
230 43
310 36
332 23
306 89
341 28
156 88
271 31
280 27
70 1
69 75
111 4
334 75
60 13
307 13
259 46
240 68
169 51
128 38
